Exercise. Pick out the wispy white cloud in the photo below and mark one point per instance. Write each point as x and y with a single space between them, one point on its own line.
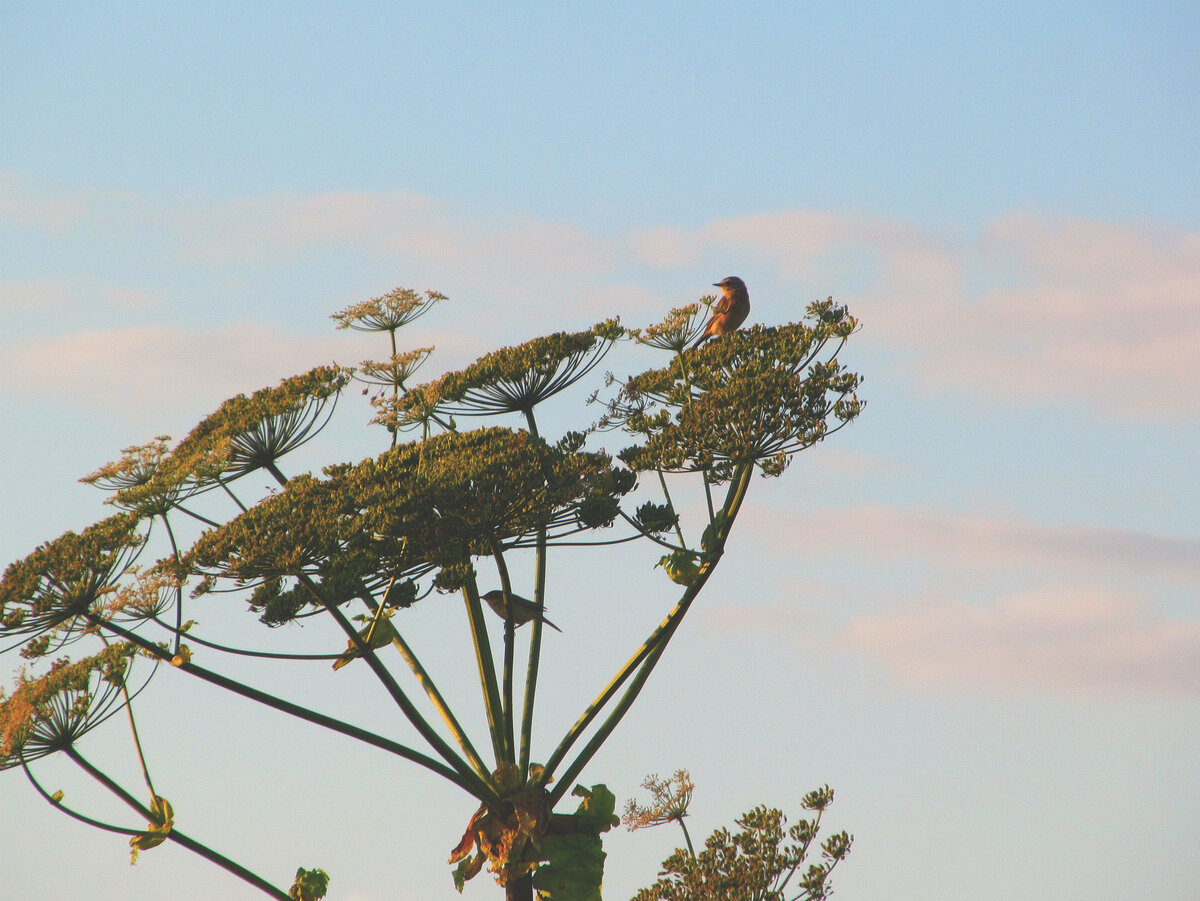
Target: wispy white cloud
1062 640
952 540
1033 308
1079 628
1049 309
1089 641
32 297
24 204
156 366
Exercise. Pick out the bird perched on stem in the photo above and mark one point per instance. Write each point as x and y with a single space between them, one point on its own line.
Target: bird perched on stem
523 609
377 634
730 312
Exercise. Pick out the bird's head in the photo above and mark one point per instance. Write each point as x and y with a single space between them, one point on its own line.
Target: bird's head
731 284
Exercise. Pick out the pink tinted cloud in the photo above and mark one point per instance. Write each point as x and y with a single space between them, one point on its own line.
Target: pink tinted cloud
1050 309
1035 308
952 540
157 367
1080 640
24 203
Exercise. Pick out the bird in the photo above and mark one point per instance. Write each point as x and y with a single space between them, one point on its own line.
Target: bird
376 634
731 310
523 609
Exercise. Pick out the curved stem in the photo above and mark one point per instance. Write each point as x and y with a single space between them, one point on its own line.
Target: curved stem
662 480
650 653
74 814
435 696
320 719
175 835
397 693
242 652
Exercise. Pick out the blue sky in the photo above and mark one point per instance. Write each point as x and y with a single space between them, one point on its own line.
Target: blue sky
973 613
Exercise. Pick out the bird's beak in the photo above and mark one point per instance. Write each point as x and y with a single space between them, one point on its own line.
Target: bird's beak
716 284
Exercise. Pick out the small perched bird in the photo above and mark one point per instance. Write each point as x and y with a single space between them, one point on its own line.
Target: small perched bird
730 312
523 609
376 634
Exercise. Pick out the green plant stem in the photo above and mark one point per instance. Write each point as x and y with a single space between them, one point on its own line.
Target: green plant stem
662 480
481 789
395 387
74 814
204 519
228 491
137 742
641 534
435 696
487 667
393 688
175 835
535 636
510 641
599 703
335 725
535 655
178 588
648 655
687 838
242 652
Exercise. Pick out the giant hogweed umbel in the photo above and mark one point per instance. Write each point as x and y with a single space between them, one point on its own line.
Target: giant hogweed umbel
359 543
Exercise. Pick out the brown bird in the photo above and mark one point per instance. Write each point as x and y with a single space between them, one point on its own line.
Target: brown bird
523 609
731 310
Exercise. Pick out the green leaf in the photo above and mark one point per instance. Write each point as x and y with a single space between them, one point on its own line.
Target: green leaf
574 867
310 885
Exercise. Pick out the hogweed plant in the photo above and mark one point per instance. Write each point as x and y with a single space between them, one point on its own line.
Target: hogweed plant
760 862
359 544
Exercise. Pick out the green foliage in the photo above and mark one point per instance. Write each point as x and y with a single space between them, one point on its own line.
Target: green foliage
310 885
52 589
161 822
574 861
758 396
758 862
357 543
508 839
681 567
364 525
509 380
50 713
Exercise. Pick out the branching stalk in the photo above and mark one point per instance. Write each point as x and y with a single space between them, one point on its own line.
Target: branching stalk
175 835
320 719
435 696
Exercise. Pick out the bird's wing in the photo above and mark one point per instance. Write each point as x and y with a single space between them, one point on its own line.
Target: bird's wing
723 305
